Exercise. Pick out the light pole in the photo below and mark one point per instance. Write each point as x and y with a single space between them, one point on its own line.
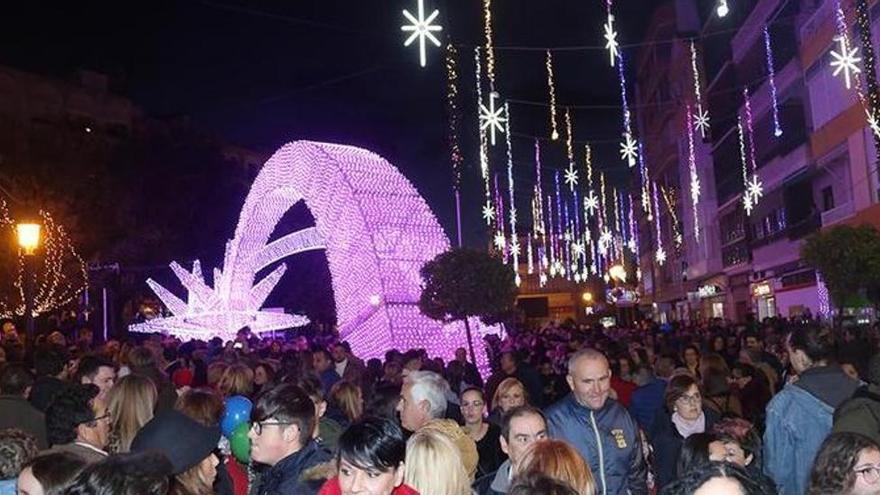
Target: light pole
28 240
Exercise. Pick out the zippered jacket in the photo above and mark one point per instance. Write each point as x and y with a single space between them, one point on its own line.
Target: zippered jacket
608 440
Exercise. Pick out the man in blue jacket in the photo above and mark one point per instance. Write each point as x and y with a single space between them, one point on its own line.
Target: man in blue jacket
599 427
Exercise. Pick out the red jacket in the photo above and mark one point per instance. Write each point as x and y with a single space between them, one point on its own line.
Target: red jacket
331 487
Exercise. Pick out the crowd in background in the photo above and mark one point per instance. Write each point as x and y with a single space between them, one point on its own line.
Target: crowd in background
710 408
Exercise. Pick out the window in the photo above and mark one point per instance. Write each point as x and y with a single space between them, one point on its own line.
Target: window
827 198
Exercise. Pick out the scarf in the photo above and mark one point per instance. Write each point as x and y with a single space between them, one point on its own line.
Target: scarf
687 428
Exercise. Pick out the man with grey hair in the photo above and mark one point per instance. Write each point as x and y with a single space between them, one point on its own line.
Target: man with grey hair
601 429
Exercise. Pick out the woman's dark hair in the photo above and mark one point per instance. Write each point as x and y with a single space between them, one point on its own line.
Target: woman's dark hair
144 473
744 434
694 452
715 383
833 469
539 484
677 387
690 347
817 341
268 368
17 448
473 389
372 444
701 474
70 408
56 471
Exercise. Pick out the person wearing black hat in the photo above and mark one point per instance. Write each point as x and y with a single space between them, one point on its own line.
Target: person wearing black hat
188 445
281 437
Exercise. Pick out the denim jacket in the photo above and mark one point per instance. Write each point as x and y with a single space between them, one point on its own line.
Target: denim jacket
797 424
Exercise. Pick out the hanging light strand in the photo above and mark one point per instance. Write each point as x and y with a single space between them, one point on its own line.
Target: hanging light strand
551 88
455 155
771 81
514 238
694 178
490 50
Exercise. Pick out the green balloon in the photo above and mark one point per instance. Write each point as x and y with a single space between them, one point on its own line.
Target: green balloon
240 443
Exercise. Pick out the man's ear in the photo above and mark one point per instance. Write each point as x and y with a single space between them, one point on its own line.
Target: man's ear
504 447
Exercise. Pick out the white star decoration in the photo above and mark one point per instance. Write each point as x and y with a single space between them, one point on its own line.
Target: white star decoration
845 61
500 241
492 117
591 203
629 150
756 189
421 28
873 124
577 248
514 246
660 256
571 176
678 239
488 213
605 239
747 203
611 39
701 122
631 244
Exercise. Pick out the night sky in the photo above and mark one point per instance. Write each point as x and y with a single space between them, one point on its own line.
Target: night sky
260 74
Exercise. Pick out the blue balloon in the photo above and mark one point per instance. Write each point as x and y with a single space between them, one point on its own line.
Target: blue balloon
238 411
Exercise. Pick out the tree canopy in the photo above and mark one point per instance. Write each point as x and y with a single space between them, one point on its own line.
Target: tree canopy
848 259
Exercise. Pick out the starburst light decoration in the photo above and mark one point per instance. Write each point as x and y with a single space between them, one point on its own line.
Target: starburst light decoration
845 61
492 118
421 29
701 121
488 212
591 203
611 43
377 233
660 256
500 241
755 189
629 150
571 176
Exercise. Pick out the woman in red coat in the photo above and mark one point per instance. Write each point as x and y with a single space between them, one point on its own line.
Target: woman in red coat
370 460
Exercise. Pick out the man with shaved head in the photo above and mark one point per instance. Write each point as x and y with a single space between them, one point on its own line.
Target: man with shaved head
599 427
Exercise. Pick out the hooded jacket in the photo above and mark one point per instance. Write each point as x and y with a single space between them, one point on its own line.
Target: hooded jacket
798 419
497 483
286 477
607 438
861 413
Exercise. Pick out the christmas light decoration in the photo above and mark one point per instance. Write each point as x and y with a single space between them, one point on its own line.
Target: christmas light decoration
628 148
670 202
490 49
845 61
723 9
488 212
488 209
610 35
591 203
660 254
421 29
824 309
514 237
771 81
645 184
753 187
551 87
871 101
58 275
455 154
747 198
378 234
694 177
501 218
701 119
492 118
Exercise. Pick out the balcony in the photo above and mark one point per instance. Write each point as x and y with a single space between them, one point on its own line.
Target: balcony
805 227
837 214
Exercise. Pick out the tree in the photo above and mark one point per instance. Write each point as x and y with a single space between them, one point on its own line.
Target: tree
463 283
848 259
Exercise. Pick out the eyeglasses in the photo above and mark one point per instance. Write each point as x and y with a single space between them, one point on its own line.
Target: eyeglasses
258 426
692 399
870 472
93 422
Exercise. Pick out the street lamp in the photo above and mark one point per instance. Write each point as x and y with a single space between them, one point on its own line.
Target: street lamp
29 240
587 297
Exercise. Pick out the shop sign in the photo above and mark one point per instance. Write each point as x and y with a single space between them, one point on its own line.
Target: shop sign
705 291
761 290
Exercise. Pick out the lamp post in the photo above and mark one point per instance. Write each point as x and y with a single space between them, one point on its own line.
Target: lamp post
28 240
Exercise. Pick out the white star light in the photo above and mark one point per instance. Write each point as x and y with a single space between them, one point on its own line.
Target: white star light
571 176
747 203
701 122
488 213
611 43
755 189
500 241
629 150
605 239
873 123
591 203
660 256
421 28
678 239
514 246
542 279
577 248
845 61
492 118
631 244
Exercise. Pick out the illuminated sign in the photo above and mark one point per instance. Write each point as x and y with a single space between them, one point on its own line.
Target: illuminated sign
761 290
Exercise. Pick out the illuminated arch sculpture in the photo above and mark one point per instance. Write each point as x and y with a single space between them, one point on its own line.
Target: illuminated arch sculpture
377 232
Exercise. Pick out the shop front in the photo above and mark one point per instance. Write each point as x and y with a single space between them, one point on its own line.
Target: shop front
764 299
708 301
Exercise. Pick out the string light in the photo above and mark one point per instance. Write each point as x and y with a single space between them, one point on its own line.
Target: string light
747 198
421 29
59 275
488 210
551 87
629 147
670 201
694 178
754 187
660 254
500 220
701 118
514 238
611 43
872 104
490 50
571 174
645 186
771 80
452 108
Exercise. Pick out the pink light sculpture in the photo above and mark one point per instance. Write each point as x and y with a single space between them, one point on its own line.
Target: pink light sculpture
377 232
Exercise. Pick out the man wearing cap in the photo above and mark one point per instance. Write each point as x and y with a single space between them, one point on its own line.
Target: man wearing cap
283 421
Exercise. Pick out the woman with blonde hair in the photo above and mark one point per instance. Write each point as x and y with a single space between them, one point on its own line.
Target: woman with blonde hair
558 460
346 398
237 379
131 404
434 465
510 393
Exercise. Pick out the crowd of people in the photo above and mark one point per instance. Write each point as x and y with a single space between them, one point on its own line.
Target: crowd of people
711 408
